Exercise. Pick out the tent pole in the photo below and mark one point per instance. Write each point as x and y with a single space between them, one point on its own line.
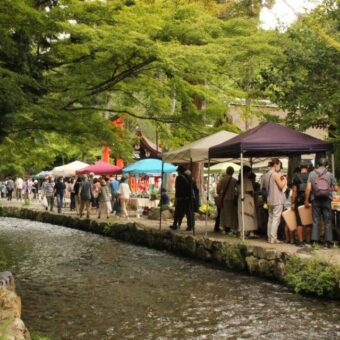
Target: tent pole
242 196
160 201
192 198
333 164
207 210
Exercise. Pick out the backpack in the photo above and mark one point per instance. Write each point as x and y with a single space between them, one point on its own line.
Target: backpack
321 185
301 187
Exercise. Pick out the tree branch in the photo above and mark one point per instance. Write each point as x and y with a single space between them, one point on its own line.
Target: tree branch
156 119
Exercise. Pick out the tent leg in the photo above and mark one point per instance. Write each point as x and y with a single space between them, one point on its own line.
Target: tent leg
207 211
333 165
192 200
242 196
160 205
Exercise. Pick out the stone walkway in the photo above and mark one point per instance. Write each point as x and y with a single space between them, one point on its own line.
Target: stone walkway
330 255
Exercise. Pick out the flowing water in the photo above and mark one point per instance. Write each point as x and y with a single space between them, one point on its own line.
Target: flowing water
76 285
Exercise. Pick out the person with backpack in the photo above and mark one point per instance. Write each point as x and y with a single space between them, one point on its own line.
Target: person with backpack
298 198
321 183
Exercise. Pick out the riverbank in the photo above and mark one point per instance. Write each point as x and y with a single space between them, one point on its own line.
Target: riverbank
312 271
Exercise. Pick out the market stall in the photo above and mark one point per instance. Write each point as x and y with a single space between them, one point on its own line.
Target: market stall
144 181
266 140
198 152
69 169
100 168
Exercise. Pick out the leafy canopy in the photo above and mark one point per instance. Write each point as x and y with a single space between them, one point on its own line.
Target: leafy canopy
69 66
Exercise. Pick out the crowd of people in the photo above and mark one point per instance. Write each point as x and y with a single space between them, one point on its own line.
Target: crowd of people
262 204
310 187
105 195
18 188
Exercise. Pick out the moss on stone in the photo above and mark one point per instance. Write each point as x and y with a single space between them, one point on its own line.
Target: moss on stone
234 255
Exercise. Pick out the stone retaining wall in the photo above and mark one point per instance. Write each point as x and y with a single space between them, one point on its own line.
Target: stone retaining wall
11 325
238 256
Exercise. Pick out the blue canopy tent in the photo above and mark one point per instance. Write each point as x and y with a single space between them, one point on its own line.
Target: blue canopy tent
149 166
42 174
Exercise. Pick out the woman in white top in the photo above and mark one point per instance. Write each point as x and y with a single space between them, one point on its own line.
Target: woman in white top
124 196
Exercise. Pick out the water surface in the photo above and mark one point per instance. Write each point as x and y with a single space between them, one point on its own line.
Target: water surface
77 285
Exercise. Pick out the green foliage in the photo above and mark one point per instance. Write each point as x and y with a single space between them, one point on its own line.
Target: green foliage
305 80
234 255
311 276
67 70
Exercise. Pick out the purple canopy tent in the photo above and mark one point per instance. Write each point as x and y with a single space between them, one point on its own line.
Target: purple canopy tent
268 139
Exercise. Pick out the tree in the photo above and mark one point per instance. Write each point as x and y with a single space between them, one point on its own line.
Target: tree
305 82
69 66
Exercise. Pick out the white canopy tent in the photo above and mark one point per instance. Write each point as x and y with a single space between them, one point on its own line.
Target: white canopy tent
68 169
198 150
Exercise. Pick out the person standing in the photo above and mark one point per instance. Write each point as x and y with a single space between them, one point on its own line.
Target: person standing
124 196
95 193
9 188
321 183
104 199
76 189
85 197
226 190
47 189
275 184
35 189
249 209
59 190
19 183
298 198
70 189
114 186
27 189
184 200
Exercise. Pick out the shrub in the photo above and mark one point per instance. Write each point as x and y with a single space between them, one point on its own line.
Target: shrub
311 276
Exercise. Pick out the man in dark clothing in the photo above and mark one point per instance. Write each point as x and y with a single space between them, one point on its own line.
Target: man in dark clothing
184 200
298 198
10 188
320 184
59 190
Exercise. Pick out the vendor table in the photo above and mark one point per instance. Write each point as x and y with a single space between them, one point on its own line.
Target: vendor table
135 203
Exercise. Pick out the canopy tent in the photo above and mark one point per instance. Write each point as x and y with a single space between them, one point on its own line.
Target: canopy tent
42 174
100 168
69 169
221 167
198 150
268 139
149 166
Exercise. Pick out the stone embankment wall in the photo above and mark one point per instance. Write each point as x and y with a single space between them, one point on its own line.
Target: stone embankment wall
231 254
11 325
